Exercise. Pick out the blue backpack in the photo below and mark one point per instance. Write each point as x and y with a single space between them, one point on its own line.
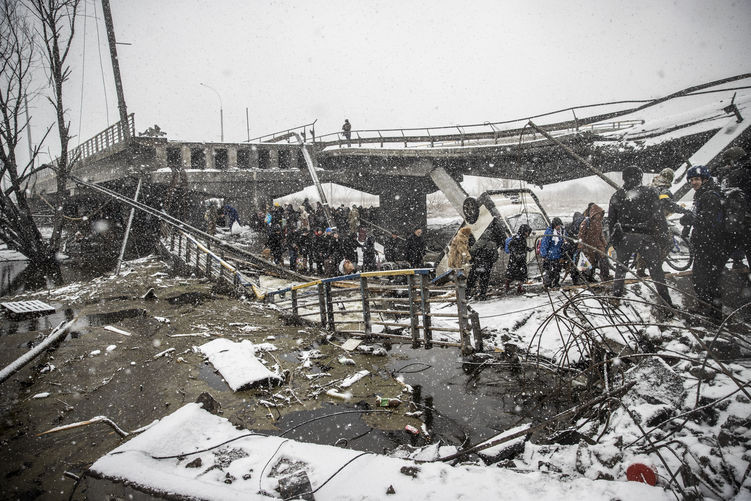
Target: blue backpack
505 247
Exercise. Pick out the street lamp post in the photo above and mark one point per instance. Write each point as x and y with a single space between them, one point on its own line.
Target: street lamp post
221 111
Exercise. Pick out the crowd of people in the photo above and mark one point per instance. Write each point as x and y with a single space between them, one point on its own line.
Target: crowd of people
303 239
718 223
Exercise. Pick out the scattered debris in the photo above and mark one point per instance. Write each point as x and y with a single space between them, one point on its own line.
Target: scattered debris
116 330
162 353
354 378
237 363
44 394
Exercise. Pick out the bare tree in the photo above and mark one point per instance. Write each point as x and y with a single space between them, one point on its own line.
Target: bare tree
57 22
17 227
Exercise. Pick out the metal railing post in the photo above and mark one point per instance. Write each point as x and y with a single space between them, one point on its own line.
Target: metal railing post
474 321
322 304
367 328
425 307
294 302
329 308
413 320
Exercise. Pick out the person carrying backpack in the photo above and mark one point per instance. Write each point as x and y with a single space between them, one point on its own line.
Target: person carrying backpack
636 224
707 237
551 251
738 204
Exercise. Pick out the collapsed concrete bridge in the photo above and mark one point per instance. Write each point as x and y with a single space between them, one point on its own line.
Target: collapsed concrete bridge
394 164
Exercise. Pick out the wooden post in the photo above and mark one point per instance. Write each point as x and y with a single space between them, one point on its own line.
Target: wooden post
322 304
329 308
171 239
187 253
474 320
425 307
365 305
208 266
294 302
180 245
461 306
413 320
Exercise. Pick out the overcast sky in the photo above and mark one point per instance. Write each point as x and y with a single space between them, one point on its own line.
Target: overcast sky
389 64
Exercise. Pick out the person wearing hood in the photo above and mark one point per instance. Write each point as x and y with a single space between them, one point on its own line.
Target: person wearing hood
593 243
517 261
636 223
551 251
392 249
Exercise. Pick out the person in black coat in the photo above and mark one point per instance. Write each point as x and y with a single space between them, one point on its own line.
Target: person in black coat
484 255
276 244
706 239
369 255
414 250
637 224
517 261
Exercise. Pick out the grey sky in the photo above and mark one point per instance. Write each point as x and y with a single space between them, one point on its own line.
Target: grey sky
393 64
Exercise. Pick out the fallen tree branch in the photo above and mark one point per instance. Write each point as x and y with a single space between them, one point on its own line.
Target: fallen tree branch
97 419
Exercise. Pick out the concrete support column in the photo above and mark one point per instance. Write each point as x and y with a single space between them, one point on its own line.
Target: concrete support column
232 157
273 158
253 157
294 155
208 153
161 156
185 154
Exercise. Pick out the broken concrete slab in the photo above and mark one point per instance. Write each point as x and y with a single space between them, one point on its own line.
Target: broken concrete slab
237 363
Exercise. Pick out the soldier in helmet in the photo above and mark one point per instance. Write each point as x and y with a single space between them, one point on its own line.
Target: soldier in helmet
707 240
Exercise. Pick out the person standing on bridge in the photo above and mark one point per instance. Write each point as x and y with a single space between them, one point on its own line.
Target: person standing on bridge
347 130
517 261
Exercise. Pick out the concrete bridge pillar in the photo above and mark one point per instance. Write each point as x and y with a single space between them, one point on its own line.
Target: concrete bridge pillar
232 157
253 157
185 155
208 153
160 153
273 158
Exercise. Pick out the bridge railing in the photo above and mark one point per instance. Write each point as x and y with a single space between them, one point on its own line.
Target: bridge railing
109 137
461 135
286 134
362 307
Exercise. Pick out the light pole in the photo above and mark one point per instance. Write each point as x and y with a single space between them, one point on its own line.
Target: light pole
221 111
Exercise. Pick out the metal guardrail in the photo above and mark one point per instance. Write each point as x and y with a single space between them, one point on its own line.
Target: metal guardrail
461 135
382 299
109 137
285 134
199 257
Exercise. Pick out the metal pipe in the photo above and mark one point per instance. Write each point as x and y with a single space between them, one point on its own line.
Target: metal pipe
127 228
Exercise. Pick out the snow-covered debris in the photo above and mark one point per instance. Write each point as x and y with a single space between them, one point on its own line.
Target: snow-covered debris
505 449
237 363
192 453
349 381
